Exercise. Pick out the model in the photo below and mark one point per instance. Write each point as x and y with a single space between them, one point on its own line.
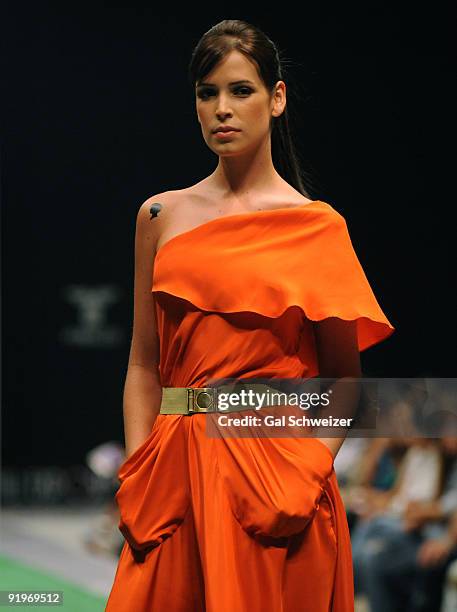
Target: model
240 276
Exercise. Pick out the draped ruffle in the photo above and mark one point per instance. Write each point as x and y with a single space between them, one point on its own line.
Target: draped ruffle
267 261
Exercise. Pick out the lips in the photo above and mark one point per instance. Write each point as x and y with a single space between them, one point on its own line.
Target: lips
225 128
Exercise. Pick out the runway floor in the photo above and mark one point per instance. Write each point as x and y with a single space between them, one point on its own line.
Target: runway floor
43 549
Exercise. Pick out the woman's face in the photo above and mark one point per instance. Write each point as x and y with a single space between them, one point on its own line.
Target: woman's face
233 94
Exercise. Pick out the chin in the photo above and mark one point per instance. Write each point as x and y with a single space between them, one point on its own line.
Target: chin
224 149
229 149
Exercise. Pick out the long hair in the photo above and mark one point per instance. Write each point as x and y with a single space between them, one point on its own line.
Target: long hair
235 34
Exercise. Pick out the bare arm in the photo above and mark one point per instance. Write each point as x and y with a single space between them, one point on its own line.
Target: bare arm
142 390
339 358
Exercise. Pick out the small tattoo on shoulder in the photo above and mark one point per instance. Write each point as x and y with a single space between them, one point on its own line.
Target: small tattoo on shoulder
155 209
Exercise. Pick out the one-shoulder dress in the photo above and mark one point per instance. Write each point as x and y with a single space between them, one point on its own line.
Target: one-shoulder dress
239 524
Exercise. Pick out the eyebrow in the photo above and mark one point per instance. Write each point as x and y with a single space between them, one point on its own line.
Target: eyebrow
232 83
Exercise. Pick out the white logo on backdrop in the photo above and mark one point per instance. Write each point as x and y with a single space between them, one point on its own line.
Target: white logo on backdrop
92 307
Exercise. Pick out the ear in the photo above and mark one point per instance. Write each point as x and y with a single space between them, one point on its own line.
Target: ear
279 99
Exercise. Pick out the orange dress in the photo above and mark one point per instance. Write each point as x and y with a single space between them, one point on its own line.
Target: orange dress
237 524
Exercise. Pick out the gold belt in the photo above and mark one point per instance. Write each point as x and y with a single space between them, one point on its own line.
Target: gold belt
192 400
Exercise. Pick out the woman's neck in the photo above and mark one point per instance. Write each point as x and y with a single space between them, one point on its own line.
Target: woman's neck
243 175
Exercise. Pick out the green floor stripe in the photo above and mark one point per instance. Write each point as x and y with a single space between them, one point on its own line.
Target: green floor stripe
16 576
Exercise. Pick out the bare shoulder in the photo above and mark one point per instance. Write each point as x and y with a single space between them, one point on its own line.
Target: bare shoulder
283 196
295 197
304 200
156 206
155 212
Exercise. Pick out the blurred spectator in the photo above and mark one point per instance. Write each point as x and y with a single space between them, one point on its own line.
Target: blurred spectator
433 559
401 555
437 522
393 470
361 479
103 535
380 542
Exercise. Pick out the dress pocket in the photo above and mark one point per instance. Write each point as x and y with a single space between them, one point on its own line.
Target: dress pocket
154 494
273 485
134 460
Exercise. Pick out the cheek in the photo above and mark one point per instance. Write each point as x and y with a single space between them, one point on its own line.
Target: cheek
201 115
257 127
257 117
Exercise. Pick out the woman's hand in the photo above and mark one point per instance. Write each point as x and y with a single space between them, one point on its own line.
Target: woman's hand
419 512
368 502
432 552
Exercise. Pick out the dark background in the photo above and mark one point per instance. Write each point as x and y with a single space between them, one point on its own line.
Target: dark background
98 115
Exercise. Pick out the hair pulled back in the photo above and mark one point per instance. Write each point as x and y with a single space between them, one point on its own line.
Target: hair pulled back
235 34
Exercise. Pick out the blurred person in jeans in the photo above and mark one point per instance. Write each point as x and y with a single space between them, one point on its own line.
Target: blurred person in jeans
413 539
437 522
380 542
368 469
373 471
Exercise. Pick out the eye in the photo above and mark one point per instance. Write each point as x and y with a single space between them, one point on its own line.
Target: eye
243 90
203 94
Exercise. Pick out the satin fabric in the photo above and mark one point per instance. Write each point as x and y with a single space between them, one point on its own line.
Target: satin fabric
242 523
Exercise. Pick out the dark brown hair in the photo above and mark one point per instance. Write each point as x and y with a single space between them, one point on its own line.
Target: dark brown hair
234 34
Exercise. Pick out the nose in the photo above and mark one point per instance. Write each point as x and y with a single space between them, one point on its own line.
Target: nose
223 109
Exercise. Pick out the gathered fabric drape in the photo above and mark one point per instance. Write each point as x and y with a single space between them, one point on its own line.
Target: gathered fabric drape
243 524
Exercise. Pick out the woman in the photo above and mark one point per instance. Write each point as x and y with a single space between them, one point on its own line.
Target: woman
250 279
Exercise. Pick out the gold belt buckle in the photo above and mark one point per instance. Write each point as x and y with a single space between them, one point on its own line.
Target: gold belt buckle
201 399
